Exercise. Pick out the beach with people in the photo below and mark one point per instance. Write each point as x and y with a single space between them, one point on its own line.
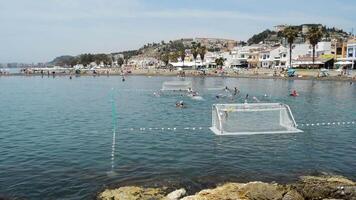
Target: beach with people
301 74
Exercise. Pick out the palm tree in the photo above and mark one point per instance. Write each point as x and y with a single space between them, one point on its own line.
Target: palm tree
290 33
182 55
314 36
202 52
220 62
195 52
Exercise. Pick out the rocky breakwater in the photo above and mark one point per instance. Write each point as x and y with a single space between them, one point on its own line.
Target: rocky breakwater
307 188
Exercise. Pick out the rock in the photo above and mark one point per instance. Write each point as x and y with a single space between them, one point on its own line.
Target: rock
177 194
292 195
259 190
224 192
326 187
132 193
237 191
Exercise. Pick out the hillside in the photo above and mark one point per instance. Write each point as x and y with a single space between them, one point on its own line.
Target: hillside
276 36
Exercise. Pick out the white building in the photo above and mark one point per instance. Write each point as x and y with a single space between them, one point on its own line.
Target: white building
351 53
279 57
321 48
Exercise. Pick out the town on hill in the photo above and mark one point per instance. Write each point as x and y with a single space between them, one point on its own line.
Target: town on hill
302 46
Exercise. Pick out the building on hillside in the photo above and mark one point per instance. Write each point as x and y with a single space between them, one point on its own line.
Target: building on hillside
222 44
321 48
306 27
280 28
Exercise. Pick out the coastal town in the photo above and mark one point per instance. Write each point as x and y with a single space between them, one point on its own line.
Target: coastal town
178 100
309 50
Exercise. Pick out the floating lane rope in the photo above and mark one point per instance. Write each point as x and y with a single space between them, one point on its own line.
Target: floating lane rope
200 128
343 123
114 124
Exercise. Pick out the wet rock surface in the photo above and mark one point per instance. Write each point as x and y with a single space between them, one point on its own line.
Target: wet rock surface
307 188
326 187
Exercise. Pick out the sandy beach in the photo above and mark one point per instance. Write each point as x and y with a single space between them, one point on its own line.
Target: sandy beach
301 74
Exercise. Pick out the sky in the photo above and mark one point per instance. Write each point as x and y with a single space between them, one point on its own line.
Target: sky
40 30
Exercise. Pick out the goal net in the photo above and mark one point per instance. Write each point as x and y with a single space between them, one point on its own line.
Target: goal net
245 119
177 86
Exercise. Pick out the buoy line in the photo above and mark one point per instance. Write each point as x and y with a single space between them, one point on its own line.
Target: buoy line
199 128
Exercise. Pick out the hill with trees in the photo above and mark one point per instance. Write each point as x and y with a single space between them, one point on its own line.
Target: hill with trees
269 36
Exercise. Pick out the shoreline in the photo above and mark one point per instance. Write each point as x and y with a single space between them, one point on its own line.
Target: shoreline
306 187
195 73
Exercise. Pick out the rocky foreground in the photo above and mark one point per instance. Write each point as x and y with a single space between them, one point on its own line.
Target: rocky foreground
307 188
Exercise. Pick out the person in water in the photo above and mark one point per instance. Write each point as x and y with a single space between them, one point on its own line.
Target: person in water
294 93
246 98
236 91
180 104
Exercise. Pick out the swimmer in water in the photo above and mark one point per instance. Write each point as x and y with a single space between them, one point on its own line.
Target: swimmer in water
255 98
246 98
180 104
157 94
236 91
294 93
123 79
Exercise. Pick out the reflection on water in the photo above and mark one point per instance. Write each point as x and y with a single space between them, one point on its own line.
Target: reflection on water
56 135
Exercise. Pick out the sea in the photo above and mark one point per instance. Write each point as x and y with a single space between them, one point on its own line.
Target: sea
56 134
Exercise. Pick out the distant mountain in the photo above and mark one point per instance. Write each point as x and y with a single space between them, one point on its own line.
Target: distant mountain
155 50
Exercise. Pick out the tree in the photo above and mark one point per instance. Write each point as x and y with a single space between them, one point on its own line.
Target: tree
220 62
202 52
314 36
165 58
182 55
173 57
290 33
120 61
98 58
195 52
261 37
86 59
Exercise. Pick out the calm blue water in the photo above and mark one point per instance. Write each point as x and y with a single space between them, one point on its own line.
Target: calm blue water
56 135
